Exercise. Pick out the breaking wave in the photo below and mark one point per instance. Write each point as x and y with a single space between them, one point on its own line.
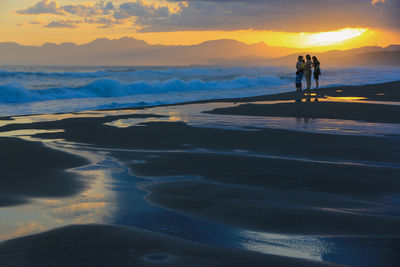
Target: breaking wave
16 93
118 71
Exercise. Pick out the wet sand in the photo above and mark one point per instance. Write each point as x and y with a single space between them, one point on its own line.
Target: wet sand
374 92
332 110
31 170
259 179
100 245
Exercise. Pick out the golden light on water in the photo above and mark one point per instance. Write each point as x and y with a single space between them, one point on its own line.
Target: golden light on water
346 98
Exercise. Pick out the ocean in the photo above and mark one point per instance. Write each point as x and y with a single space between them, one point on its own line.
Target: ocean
28 90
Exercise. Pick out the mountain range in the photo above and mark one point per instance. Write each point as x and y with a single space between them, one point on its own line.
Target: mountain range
130 51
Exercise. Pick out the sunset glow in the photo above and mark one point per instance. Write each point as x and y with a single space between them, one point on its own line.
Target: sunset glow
35 22
332 37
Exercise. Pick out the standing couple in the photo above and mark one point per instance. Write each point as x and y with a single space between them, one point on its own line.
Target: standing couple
304 68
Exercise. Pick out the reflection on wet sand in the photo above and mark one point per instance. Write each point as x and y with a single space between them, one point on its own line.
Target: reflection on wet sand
94 204
193 115
26 134
307 247
205 180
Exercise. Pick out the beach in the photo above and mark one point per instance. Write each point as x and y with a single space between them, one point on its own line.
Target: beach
261 181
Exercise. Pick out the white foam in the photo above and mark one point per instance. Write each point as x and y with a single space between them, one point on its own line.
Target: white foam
16 93
37 90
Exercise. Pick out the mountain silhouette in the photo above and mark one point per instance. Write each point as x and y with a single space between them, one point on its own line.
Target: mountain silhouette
131 51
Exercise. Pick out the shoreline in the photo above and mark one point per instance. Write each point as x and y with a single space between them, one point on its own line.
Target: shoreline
321 92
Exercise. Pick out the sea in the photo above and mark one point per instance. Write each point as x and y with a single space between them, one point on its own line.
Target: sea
26 90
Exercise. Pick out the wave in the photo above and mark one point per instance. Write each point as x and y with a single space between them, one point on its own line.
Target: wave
12 74
16 93
161 73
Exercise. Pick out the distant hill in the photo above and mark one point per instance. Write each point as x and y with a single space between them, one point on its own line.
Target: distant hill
364 56
130 51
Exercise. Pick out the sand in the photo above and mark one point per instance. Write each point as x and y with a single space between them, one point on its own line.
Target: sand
326 110
280 196
332 110
270 180
374 92
30 170
105 245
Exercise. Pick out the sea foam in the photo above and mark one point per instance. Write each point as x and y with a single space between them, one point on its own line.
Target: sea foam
16 93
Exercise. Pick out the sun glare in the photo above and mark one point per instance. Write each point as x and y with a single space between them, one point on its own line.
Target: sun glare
332 37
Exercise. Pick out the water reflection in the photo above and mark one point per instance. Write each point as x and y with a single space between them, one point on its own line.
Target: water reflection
57 117
303 247
193 116
345 98
114 195
360 100
27 133
94 205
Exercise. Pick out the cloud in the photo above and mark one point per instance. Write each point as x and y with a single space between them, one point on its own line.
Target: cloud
377 1
42 7
34 22
276 15
97 9
104 14
140 10
389 12
143 15
282 15
93 13
69 24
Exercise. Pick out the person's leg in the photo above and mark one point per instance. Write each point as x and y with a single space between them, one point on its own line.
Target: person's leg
301 81
308 77
297 96
309 85
316 87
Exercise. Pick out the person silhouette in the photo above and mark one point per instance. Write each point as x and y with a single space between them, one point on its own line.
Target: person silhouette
317 71
307 73
299 77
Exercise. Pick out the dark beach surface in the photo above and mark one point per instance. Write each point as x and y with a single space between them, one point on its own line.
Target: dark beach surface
263 181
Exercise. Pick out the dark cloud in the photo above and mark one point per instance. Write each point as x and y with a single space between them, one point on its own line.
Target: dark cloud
277 15
389 13
42 7
140 10
69 24
98 9
285 15
104 14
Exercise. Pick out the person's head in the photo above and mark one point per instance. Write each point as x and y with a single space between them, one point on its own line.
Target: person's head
314 58
300 58
308 57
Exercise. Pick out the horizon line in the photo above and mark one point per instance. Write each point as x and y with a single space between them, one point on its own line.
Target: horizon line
188 45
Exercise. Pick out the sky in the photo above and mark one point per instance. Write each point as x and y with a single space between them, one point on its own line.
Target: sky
291 23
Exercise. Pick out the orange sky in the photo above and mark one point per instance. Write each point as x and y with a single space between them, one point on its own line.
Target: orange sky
30 22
